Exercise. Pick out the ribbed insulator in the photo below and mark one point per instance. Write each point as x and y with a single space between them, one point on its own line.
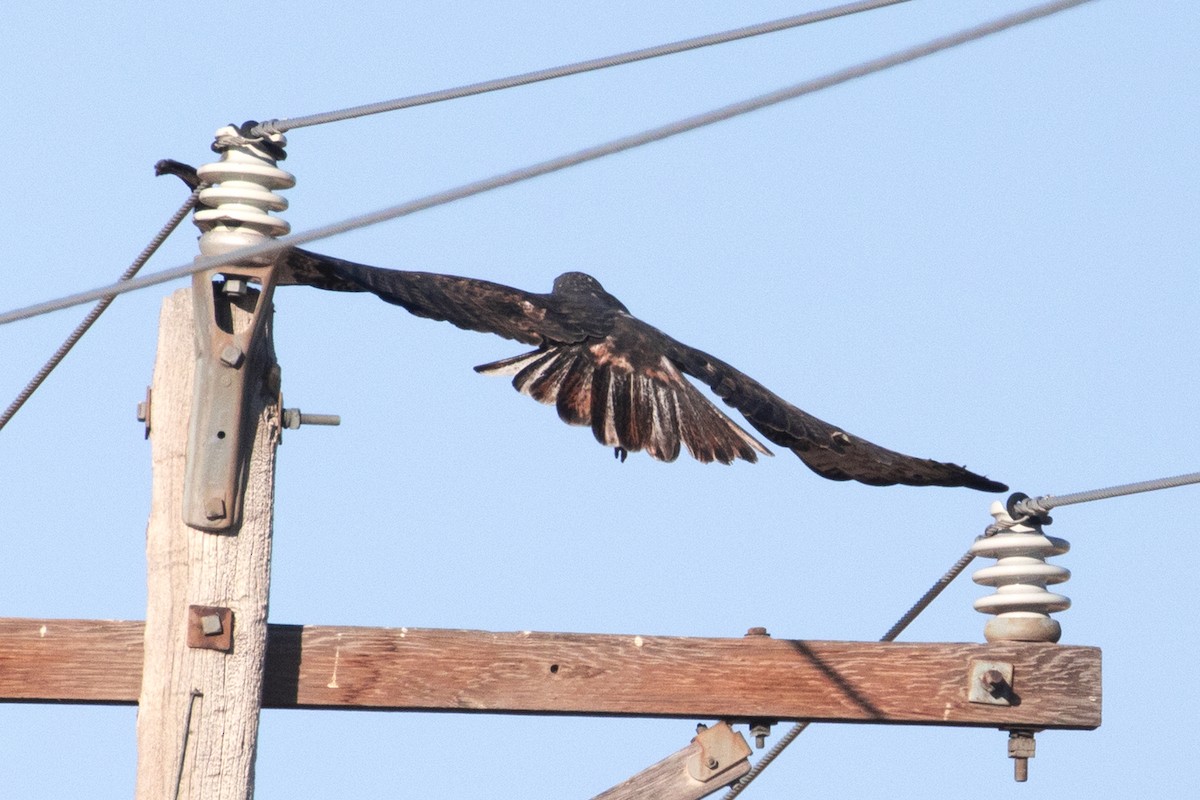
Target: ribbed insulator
237 206
1021 603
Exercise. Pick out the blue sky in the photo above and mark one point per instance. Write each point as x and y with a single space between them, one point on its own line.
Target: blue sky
986 257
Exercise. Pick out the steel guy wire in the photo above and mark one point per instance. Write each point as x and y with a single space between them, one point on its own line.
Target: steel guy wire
555 164
524 79
1023 510
930 595
99 308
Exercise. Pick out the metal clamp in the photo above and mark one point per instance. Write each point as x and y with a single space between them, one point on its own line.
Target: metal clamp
721 749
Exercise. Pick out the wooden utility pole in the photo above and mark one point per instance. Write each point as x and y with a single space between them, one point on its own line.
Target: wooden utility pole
205 660
206 620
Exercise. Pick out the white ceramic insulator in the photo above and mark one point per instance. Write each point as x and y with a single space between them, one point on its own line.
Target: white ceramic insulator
1021 603
241 198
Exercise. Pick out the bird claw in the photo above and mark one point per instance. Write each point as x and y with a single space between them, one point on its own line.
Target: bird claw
620 453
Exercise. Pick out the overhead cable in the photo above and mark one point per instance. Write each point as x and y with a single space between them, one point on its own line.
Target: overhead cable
552 165
526 78
1041 505
98 309
1022 508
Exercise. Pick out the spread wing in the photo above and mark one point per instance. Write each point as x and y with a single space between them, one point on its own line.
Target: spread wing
469 303
827 450
605 369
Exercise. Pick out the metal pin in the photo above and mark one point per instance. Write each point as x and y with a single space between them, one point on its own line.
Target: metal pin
187 734
293 418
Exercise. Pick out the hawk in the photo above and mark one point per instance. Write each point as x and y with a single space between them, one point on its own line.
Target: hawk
602 367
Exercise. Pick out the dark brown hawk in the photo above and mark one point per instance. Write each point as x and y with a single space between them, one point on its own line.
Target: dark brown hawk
604 368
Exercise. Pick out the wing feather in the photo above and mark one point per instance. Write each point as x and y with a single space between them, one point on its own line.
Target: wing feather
826 449
657 411
469 303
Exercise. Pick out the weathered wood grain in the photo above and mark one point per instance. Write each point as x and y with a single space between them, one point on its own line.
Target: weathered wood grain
218 693
70 660
672 778
1056 686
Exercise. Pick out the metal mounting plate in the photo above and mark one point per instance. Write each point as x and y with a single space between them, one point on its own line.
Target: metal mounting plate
991 683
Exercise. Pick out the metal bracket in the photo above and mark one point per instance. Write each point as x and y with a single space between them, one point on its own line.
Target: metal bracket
991 683
234 211
721 749
217 462
210 628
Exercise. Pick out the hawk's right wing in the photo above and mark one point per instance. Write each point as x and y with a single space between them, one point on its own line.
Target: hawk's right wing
469 303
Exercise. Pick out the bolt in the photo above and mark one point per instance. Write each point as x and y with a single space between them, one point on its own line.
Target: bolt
235 287
143 412
711 763
758 631
1021 748
210 624
760 730
214 508
993 680
293 418
232 356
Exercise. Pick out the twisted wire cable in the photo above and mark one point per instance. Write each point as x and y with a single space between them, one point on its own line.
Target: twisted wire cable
98 309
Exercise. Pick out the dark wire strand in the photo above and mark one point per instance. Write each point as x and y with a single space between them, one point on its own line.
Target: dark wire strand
1044 503
98 309
524 79
894 631
554 164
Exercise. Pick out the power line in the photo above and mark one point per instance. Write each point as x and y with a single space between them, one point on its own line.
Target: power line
553 165
524 79
99 309
1043 504
1023 508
